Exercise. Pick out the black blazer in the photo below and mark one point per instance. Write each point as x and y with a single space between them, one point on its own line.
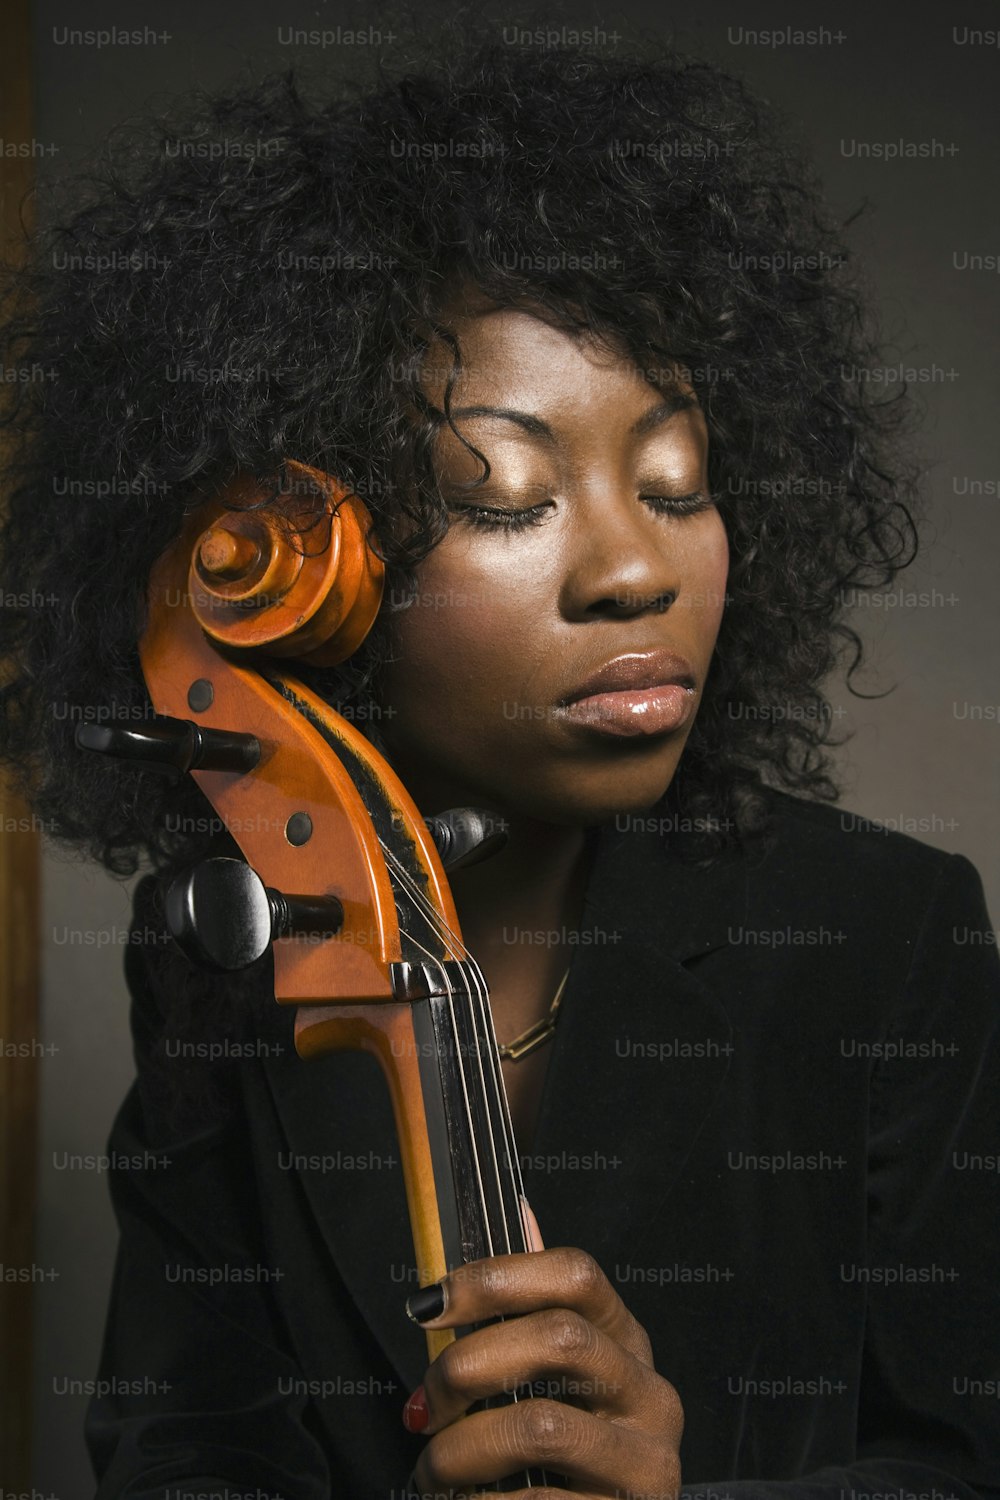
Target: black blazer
771 1114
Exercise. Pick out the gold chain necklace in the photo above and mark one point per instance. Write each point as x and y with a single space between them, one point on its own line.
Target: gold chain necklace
537 1033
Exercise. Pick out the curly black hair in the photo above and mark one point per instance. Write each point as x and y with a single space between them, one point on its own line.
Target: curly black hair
258 277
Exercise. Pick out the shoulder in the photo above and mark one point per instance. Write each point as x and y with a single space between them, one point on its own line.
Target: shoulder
839 842
885 887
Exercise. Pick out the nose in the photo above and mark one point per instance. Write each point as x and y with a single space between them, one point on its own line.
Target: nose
619 559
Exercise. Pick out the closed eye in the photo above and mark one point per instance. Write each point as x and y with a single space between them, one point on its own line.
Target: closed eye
498 518
679 505
502 520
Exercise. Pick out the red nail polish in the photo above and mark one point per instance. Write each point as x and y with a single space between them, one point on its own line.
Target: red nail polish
415 1413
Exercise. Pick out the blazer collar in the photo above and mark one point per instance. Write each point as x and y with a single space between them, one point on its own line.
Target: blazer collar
641 1051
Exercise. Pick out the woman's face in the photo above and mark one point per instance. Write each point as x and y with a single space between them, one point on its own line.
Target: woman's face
583 549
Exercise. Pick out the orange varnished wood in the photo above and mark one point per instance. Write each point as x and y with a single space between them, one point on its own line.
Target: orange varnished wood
314 600
298 773
341 984
387 1031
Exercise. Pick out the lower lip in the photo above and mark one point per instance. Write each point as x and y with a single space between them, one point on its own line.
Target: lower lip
639 711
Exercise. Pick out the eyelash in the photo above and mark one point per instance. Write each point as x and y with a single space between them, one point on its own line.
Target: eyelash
517 520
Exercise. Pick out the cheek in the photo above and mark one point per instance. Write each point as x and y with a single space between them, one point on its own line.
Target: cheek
713 544
717 564
465 623
705 571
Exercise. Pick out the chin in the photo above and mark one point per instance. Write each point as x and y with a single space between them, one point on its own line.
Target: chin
541 783
582 797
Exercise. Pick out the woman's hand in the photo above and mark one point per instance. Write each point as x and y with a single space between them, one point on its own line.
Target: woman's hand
606 1420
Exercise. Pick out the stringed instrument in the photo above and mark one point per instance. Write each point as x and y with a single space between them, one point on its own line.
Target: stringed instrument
342 876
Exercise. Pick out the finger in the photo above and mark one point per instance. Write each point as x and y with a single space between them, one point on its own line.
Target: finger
573 1446
537 1492
517 1284
554 1353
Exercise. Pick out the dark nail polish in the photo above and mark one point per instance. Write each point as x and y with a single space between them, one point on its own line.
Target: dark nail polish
426 1304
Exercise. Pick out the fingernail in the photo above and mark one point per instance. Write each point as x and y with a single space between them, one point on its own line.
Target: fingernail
426 1304
534 1233
415 1413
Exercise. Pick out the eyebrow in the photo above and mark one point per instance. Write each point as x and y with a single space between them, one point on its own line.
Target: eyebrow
656 415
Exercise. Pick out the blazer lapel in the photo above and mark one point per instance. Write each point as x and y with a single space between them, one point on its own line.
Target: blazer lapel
642 1048
639 1055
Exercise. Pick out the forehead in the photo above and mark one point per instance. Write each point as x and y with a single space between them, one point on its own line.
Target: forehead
515 356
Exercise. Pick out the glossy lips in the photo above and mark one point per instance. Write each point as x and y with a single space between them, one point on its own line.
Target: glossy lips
646 711
639 694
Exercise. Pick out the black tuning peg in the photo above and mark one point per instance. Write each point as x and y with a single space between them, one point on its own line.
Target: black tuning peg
224 917
466 835
166 744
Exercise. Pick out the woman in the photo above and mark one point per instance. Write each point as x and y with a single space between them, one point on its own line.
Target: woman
622 480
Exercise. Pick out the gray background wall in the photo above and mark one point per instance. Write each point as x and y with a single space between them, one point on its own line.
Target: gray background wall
918 759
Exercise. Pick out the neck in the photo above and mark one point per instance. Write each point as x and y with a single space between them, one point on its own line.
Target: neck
536 882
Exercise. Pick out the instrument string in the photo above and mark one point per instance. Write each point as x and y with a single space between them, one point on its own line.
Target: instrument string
456 943
467 1102
481 1016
